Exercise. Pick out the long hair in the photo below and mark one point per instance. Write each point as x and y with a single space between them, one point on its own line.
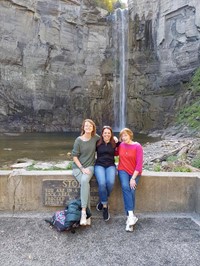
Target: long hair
92 123
127 131
112 141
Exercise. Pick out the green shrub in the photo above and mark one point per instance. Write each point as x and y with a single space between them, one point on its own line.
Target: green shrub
196 81
181 169
172 158
108 5
116 159
69 166
190 114
196 162
157 167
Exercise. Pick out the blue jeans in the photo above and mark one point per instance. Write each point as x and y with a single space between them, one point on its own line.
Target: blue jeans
106 178
128 193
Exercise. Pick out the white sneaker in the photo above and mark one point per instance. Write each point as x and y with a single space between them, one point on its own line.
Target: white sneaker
88 221
131 220
129 228
83 220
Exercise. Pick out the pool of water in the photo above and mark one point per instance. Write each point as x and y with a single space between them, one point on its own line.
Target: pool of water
42 146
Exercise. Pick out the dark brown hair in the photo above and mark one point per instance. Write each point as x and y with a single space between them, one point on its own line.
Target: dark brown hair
112 141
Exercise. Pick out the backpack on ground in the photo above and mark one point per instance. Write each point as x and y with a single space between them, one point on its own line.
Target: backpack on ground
69 218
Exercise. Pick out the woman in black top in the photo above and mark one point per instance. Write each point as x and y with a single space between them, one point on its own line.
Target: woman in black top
105 169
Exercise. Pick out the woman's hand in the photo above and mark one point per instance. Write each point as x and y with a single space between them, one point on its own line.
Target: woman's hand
115 139
133 184
85 171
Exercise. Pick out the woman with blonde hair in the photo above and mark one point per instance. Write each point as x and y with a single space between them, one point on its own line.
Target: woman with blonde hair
129 171
83 164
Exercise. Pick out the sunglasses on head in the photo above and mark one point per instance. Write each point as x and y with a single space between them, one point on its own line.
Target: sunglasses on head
107 127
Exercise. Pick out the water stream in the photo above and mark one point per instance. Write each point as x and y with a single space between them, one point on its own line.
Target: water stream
120 38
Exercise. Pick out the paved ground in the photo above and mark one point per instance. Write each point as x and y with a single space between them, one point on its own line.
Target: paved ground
162 239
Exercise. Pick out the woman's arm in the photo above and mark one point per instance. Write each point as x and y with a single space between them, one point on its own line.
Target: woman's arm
77 162
84 170
139 159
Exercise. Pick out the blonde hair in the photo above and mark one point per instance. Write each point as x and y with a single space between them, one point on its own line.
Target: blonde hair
127 131
92 123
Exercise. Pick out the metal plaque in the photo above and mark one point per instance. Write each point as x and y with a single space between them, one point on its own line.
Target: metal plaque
60 192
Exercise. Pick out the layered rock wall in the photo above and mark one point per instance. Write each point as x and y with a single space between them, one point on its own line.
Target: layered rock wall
57 63
51 55
164 53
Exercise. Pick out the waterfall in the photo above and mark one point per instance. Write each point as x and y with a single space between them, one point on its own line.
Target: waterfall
120 43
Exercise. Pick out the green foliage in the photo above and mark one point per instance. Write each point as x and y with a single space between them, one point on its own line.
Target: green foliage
69 166
196 161
172 158
190 114
196 81
178 168
157 167
108 5
173 166
116 159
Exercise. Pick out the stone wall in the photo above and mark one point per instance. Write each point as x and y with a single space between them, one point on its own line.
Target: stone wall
22 190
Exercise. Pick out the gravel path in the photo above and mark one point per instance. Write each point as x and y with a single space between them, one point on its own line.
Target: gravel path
156 240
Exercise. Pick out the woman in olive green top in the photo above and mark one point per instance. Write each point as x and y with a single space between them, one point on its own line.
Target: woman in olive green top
83 163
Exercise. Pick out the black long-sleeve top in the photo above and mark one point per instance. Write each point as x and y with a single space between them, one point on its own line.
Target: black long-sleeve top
105 155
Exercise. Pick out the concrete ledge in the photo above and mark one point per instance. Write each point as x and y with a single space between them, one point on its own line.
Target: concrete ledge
21 190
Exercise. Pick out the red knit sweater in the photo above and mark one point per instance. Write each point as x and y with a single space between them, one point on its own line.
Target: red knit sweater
130 157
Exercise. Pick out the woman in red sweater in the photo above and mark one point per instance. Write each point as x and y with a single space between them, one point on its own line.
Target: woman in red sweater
129 171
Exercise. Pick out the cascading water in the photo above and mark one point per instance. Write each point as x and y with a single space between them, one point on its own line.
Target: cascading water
120 43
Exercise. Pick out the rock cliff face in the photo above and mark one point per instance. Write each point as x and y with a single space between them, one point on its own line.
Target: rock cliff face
51 57
57 63
164 52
